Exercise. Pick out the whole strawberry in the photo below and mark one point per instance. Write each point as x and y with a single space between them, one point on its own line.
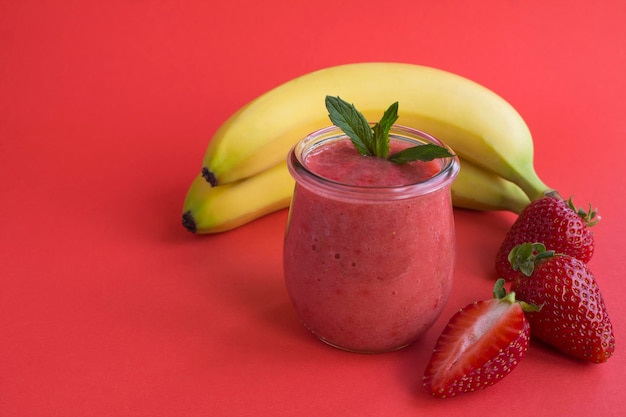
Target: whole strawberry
556 223
573 317
481 344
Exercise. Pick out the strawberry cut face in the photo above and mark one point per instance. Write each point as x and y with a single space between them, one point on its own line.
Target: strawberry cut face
481 344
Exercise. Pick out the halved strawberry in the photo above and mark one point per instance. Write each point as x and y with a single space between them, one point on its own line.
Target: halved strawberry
573 316
556 223
481 344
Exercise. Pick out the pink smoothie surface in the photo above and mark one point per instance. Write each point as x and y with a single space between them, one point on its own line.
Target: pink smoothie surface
365 276
341 162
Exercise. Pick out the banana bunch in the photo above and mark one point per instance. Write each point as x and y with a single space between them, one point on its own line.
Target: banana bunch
244 174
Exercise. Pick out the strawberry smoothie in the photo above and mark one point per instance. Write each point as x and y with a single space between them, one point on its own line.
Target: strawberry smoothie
370 247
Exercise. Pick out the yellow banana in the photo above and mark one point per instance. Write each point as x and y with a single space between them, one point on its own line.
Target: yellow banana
210 209
478 189
480 126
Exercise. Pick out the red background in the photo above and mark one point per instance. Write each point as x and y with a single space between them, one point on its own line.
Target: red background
108 307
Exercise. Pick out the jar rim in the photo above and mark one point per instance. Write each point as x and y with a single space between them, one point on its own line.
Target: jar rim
304 176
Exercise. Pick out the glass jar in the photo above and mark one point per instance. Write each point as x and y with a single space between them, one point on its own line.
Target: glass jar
369 268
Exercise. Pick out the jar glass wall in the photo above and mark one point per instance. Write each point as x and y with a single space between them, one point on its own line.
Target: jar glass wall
369 268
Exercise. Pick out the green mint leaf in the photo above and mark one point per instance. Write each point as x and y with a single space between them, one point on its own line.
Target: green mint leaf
381 146
426 152
346 117
381 130
375 141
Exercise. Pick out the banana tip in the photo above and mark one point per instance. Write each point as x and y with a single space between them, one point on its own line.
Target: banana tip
189 222
209 176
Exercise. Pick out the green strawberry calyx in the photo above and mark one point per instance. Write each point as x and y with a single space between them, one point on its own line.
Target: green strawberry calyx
524 256
590 217
499 292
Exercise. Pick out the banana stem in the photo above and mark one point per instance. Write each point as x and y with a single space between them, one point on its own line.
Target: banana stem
532 185
553 194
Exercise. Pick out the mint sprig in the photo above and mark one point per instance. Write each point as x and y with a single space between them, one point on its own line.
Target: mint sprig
374 141
346 117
